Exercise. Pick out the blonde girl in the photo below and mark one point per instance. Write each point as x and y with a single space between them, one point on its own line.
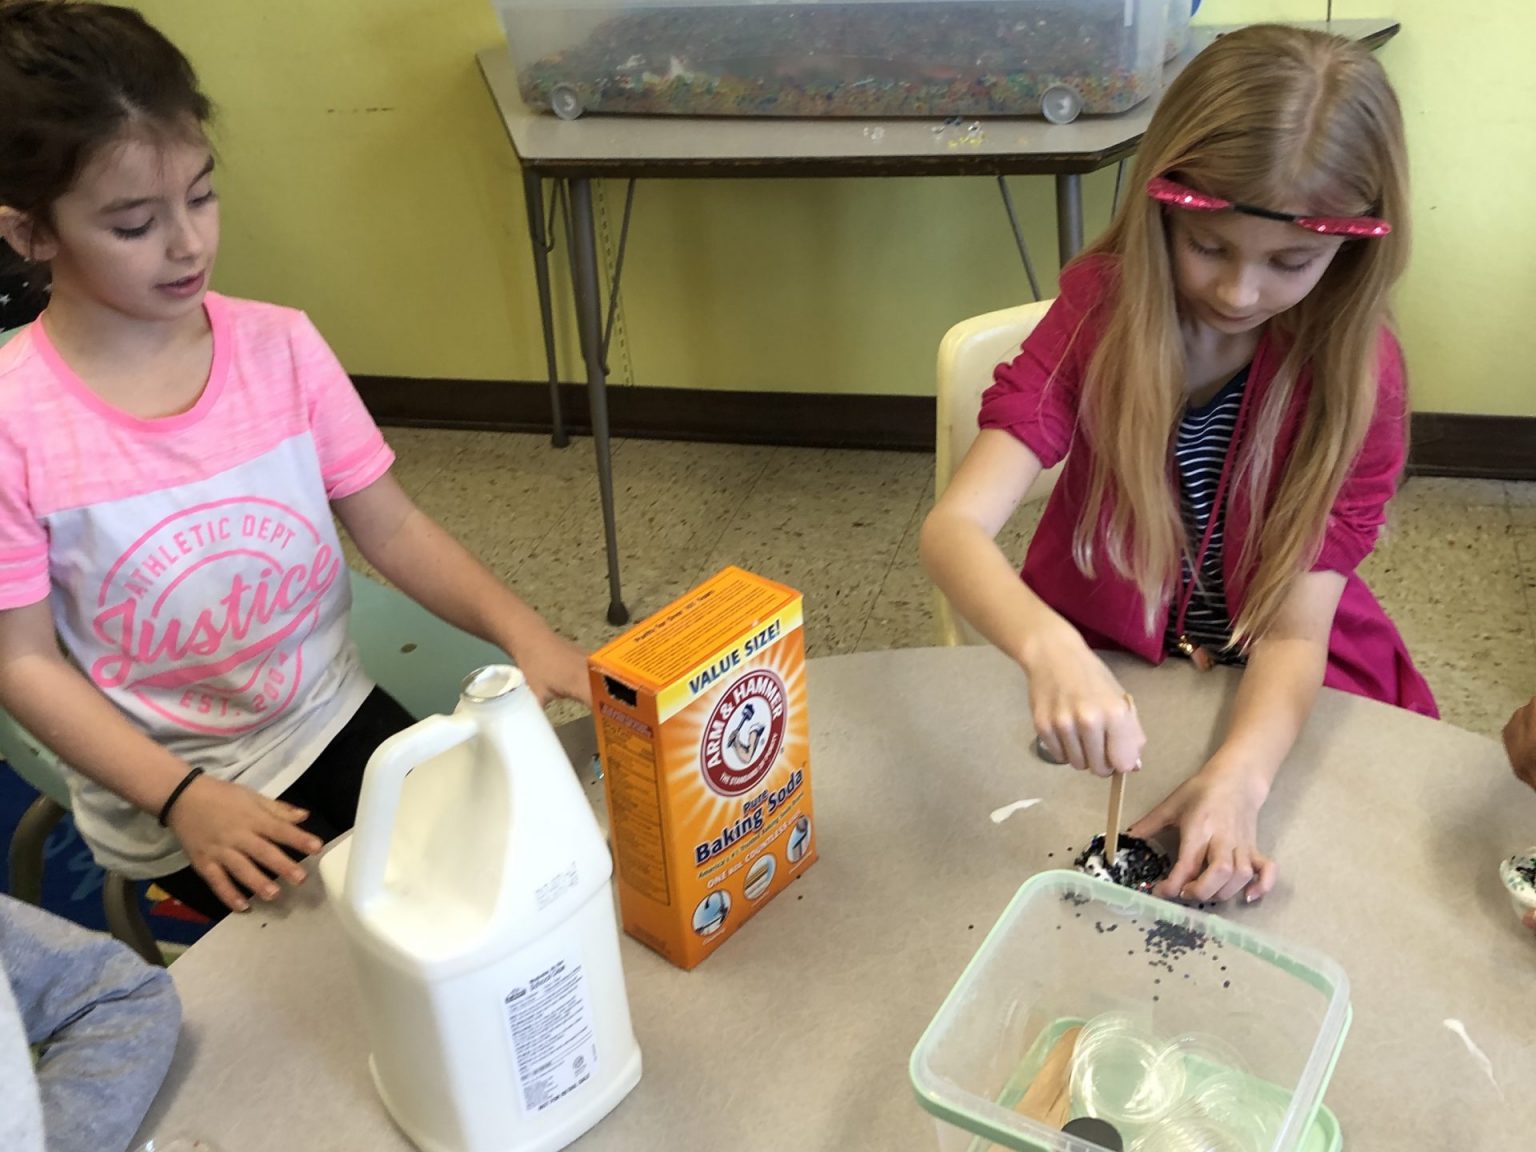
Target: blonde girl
1220 376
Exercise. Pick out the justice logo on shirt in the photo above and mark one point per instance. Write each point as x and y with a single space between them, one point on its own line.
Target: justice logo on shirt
203 619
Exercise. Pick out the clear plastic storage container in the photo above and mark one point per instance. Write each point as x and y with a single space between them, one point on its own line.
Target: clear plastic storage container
836 57
1180 12
1181 1030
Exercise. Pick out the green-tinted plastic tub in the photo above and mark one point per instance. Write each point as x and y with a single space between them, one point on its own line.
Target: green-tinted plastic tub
1070 948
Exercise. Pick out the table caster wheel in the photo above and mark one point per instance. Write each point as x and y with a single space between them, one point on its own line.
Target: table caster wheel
1060 104
565 102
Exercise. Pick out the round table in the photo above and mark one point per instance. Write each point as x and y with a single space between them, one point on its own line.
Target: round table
1388 829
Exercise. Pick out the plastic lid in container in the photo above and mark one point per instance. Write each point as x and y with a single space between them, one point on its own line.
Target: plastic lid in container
1189 1024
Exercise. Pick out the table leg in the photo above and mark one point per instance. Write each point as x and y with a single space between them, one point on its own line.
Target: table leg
1018 237
589 318
1069 215
533 194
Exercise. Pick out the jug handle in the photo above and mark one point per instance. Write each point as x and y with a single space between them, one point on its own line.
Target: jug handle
379 800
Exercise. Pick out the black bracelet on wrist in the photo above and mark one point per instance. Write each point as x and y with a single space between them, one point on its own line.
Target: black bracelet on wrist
165 811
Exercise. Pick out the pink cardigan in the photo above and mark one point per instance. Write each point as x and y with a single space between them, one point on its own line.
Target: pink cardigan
1366 655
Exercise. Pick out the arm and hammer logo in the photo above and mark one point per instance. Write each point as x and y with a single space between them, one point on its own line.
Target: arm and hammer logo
744 733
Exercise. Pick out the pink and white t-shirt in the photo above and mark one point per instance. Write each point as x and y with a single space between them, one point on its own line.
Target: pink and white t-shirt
195 572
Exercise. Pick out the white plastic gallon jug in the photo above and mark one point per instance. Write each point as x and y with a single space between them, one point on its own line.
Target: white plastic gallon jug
474 892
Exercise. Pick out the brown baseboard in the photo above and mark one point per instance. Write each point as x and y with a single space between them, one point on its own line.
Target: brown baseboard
1444 443
804 419
1486 447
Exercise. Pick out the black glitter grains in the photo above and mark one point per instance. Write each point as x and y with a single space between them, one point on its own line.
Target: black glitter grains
1137 864
1167 943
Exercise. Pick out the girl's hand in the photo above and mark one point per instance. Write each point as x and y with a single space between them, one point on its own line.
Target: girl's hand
1217 814
555 668
233 835
1520 743
1082 714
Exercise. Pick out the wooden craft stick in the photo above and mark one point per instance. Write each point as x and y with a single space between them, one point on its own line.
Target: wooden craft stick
1116 801
1048 1094
1112 824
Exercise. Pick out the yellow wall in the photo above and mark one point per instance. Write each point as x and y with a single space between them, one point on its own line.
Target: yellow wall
366 178
1463 73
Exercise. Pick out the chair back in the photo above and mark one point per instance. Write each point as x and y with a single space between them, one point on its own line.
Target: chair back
968 355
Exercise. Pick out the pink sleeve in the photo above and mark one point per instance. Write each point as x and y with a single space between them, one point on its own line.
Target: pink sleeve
1035 396
352 450
1361 508
23 539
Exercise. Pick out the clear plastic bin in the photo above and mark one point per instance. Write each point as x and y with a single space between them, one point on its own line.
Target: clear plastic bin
1180 12
796 58
1247 1027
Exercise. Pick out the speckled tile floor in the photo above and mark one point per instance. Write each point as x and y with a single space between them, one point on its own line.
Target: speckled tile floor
1457 569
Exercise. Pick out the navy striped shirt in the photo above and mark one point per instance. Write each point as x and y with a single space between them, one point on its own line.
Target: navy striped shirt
1200 449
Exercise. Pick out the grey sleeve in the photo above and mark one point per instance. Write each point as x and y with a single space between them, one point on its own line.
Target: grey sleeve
106 1024
21 1115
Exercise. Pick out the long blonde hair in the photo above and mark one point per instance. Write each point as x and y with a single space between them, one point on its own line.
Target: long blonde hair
1272 116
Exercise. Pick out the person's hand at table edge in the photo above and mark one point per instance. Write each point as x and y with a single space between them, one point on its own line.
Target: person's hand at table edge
1520 742
1216 812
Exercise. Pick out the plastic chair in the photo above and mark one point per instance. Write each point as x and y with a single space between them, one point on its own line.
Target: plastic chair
968 354
410 653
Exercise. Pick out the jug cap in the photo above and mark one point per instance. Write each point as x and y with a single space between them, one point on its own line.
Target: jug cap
491 683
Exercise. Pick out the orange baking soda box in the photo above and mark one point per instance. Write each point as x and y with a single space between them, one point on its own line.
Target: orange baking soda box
705 745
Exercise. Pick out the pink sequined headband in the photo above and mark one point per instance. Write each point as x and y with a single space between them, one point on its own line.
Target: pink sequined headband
1166 191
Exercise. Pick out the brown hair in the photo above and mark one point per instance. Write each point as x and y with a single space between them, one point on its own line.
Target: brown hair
1268 115
74 77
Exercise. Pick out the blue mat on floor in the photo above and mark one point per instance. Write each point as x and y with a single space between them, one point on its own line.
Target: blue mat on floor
71 880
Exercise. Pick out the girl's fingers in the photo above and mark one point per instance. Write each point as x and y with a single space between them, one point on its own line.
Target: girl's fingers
1124 742
245 873
1264 882
289 812
1047 749
1071 747
1184 870
275 861
1219 866
1047 742
1093 740
219 884
1242 876
288 835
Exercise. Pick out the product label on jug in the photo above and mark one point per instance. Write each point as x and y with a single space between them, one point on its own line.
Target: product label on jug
552 889
549 1019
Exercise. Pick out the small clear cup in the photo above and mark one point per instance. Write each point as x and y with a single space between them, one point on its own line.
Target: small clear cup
1120 1075
1185 1132
1202 1055
178 1144
1229 1100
